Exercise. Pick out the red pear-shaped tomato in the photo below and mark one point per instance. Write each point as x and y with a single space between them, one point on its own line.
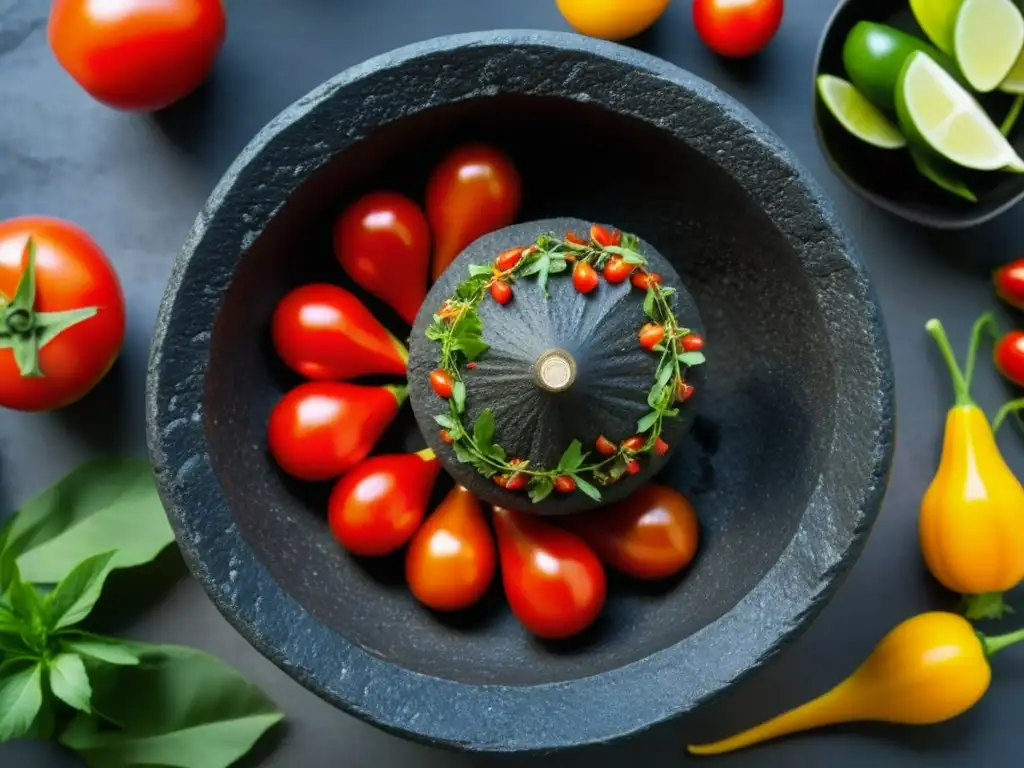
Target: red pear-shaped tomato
379 505
554 582
324 428
451 559
474 190
650 535
324 332
1009 282
1009 357
383 243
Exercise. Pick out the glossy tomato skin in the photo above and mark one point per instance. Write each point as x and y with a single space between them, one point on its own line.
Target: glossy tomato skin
1009 357
139 55
737 28
651 534
377 507
383 242
324 428
612 19
1009 282
474 190
323 332
451 559
554 582
72 272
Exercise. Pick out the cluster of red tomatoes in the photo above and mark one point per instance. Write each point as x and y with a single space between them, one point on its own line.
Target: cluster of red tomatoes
326 428
1009 352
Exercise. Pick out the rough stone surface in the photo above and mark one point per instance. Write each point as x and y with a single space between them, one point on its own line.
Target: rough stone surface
613 373
788 460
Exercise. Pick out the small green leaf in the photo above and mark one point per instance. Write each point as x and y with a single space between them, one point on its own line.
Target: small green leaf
618 467
459 396
102 505
472 348
21 697
650 308
483 430
445 421
572 459
668 293
480 270
540 488
75 596
497 452
630 241
647 422
655 395
633 259
535 265
105 649
27 605
542 275
70 682
557 264
690 359
435 331
587 488
12 643
463 454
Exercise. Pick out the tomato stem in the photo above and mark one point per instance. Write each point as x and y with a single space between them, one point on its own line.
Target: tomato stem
1014 406
960 386
995 644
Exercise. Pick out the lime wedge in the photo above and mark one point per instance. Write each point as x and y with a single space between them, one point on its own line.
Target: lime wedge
1014 82
858 115
937 171
987 40
937 18
934 109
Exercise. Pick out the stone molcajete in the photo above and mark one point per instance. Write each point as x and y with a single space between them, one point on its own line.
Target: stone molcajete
789 441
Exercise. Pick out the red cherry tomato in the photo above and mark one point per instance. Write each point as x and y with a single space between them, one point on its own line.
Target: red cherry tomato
643 280
604 236
378 506
451 560
617 271
633 467
685 391
737 28
508 259
692 342
565 484
442 383
137 54
1009 282
635 443
58 358
516 481
554 582
383 242
660 447
501 292
584 277
651 335
474 190
324 428
605 446
1009 357
324 332
650 535
575 239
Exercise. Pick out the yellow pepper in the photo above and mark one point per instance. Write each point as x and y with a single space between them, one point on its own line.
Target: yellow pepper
928 669
971 525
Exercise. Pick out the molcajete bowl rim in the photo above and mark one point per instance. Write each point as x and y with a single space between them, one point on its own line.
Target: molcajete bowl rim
604 706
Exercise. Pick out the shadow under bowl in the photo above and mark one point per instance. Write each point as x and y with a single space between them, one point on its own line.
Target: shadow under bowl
888 178
786 462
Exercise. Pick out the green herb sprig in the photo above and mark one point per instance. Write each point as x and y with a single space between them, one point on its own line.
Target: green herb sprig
459 331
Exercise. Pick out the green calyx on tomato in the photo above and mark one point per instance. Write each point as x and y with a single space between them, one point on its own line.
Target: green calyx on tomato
25 331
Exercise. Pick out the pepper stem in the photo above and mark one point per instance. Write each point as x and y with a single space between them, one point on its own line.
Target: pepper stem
400 391
400 348
999 642
1014 406
990 605
986 321
960 386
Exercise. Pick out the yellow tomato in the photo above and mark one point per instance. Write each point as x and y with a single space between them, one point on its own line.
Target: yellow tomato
612 19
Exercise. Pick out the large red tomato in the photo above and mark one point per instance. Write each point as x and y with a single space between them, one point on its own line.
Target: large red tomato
63 318
137 54
737 28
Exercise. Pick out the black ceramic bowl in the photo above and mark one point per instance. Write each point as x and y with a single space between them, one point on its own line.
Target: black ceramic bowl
786 462
888 178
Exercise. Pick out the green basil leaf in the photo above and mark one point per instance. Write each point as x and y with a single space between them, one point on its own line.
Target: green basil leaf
572 459
647 422
435 331
105 649
463 454
445 421
27 605
70 682
497 452
459 396
480 270
180 708
483 430
75 596
654 397
540 488
535 265
12 643
557 264
587 488
21 698
103 505
632 258
690 359
472 348
650 308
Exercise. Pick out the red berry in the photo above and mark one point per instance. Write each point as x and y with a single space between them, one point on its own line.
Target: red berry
471 366
643 280
442 382
501 481
565 484
604 237
632 466
508 259
651 336
501 292
584 277
635 443
605 446
692 342
575 239
617 270
685 391
446 436
517 482
660 447
1009 357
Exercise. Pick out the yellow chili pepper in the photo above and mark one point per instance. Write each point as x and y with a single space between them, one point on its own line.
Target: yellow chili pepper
928 669
971 526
